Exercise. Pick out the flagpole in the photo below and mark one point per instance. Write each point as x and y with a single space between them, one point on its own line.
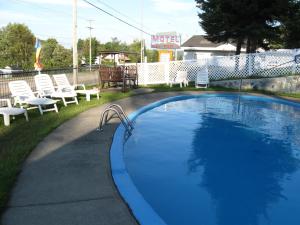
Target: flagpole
75 54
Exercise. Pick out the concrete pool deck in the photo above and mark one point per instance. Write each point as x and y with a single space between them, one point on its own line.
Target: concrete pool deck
67 178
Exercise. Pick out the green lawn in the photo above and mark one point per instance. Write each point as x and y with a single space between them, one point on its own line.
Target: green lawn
296 95
18 140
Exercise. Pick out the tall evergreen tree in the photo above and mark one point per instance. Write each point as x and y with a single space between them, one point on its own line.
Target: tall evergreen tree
291 26
250 22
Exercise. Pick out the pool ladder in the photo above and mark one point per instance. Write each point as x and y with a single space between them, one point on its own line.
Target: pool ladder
117 112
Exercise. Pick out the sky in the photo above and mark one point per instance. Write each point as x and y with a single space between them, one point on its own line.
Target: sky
53 18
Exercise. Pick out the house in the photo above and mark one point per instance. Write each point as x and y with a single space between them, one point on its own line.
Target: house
198 47
117 57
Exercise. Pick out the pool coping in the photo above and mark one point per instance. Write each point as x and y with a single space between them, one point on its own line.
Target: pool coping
140 208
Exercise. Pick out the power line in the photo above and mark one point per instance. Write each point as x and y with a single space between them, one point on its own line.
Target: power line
122 14
48 9
121 20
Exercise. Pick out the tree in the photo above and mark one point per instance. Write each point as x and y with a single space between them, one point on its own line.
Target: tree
291 26
135 47
54 55
48 48
84 49
62 57
152 55
17 46
253 23
115 45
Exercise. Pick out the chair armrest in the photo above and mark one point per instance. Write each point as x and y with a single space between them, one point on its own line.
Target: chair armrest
79 85
8 102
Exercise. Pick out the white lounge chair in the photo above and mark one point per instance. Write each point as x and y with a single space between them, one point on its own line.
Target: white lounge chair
181 78
62 82
202 79
11 111
23 95
45 88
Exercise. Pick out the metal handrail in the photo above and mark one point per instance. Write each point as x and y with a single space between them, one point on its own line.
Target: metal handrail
120 109
117 111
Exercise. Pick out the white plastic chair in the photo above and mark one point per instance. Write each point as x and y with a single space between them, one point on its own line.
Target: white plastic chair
202 79
62 82
45 88
23 95
11 111
181 78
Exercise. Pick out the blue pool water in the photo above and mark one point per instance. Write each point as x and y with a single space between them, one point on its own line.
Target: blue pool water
218 160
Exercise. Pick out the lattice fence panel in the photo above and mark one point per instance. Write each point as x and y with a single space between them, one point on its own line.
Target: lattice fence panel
220 68
267 64
152 73
192 67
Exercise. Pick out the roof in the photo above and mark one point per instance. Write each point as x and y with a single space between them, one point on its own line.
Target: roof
117 53
120 57
200 41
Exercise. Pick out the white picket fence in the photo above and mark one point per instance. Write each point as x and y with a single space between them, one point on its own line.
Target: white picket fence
267 64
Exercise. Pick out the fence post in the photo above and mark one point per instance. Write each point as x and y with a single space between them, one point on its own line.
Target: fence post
250 63
167 72
294 67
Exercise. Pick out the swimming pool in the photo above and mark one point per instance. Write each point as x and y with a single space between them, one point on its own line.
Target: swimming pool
211 160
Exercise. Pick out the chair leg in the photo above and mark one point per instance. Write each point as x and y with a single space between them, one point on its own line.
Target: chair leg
40 109
76 100
64 101
6 120
26 116
55 108
88 97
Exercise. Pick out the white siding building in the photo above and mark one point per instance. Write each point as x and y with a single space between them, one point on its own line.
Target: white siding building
198 47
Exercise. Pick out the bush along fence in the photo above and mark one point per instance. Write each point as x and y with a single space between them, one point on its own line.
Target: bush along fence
246 66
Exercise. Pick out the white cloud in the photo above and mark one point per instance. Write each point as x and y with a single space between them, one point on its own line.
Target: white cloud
171 6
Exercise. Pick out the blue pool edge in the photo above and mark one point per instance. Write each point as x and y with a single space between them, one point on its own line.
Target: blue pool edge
140 208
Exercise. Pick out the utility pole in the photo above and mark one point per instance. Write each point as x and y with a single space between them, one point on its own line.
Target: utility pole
90 28
142 35
75 53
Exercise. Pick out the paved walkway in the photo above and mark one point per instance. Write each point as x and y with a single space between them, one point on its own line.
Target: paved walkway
67 178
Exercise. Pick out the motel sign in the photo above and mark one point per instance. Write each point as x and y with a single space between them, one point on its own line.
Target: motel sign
165 41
